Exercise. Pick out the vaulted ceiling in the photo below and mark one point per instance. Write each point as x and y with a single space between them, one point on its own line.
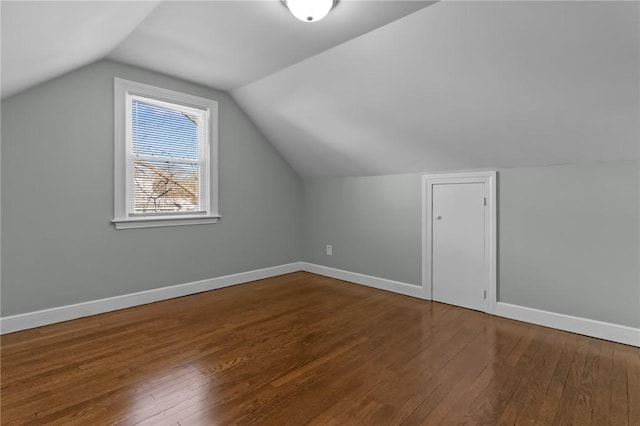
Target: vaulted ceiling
221 44
378 86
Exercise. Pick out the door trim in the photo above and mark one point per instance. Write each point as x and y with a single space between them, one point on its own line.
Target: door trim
489 178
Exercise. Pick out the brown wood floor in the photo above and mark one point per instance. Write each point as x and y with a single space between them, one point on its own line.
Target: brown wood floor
304 349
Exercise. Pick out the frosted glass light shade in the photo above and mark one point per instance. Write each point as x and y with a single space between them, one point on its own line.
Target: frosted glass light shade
309 10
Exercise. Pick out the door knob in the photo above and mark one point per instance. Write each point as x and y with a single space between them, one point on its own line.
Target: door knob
438 217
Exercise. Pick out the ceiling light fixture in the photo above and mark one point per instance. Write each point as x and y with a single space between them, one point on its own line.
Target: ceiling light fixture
309 10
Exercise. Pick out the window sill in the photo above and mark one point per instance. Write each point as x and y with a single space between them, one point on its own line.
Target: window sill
155 222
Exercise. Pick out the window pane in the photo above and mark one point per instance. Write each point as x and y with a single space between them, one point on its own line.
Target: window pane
162 186
161 131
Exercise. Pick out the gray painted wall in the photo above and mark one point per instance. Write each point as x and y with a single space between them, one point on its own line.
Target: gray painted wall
373 224
58 245
568 235
569 239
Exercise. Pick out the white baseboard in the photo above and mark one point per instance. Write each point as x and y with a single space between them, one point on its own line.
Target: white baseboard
65 313
368 280
588 327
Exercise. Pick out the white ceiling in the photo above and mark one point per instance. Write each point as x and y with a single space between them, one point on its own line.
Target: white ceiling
462 85
227 44
221 44
45 39
378 86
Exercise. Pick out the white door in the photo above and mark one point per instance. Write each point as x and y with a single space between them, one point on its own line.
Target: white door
459 264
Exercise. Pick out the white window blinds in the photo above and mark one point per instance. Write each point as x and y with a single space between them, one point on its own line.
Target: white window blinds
168 154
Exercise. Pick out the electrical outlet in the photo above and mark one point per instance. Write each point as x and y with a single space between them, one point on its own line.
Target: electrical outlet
329 250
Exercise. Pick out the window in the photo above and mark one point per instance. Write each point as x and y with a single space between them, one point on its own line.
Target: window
165 157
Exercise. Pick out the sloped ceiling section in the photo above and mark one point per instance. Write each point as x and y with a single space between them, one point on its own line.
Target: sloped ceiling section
217 43
45 39
227 44
462 85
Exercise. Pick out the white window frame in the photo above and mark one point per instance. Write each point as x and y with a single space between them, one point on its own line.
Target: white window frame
123 215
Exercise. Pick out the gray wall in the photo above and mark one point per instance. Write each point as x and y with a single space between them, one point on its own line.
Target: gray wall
569 240
373 224
58 245
568 235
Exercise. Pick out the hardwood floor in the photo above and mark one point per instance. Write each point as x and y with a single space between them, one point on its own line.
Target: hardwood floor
304 349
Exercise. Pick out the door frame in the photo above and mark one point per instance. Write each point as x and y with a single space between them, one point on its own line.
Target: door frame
489 178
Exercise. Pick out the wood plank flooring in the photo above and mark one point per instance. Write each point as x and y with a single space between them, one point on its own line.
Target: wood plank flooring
304 349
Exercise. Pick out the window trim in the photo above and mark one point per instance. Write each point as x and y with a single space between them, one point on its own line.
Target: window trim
123 219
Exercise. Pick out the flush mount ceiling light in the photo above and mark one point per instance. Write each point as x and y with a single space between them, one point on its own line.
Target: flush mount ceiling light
310 10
